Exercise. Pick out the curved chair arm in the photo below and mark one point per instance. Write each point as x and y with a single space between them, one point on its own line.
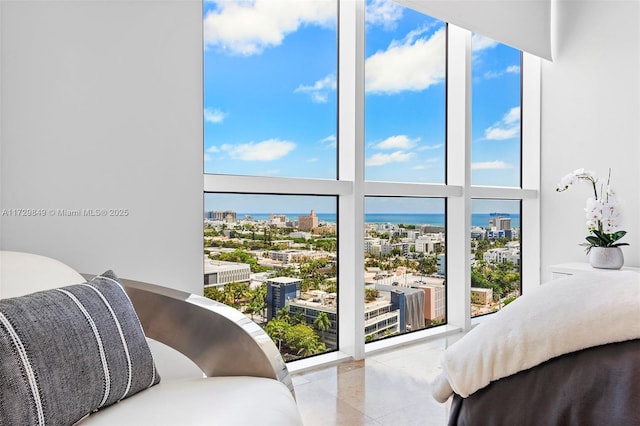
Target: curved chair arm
219 339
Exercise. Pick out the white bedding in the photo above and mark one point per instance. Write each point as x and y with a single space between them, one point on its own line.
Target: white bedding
566 315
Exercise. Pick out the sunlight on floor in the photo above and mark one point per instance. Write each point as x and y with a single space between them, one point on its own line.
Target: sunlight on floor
390 388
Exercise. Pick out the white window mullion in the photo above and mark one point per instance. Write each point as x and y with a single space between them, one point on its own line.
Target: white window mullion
459 173
274 185
502 193
351 168
530 239
393 189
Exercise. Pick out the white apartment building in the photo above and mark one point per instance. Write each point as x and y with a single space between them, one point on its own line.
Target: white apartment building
428 243
510 253
217 273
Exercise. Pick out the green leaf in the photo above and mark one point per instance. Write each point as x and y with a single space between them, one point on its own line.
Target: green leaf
594 241
617 235
605 241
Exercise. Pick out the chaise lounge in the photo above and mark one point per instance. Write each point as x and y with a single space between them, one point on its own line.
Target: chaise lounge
210 364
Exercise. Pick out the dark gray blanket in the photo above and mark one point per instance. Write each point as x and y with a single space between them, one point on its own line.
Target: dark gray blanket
596 386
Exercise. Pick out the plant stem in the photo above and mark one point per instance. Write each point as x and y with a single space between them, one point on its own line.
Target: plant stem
608 183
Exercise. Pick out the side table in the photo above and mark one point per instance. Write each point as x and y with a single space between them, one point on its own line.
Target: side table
573 268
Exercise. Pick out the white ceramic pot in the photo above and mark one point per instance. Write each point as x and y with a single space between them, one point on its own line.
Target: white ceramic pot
606 257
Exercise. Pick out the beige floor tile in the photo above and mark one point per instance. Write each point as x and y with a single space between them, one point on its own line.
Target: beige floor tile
388 388
320 408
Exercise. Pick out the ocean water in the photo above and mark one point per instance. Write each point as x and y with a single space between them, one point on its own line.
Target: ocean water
435 219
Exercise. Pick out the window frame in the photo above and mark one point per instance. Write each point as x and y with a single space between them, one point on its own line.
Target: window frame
350 187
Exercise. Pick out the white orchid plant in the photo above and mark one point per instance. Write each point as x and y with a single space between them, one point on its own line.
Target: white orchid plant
602 211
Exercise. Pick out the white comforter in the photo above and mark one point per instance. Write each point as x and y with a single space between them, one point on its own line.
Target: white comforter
560 317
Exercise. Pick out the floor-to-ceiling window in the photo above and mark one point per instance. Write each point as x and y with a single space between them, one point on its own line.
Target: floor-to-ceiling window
496 137
348 177
405 61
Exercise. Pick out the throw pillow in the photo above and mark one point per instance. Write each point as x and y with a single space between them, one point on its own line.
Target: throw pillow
67 352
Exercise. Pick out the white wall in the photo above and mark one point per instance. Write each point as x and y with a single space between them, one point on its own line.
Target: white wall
591 119
102 109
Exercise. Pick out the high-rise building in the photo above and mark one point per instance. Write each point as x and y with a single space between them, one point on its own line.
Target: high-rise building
499 222
434 301
226 216
280 290
307 223
278 220
409 303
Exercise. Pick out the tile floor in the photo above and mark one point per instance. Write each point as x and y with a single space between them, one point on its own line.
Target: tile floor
388 388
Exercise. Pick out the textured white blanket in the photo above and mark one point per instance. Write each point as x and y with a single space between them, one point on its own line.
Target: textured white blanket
560 317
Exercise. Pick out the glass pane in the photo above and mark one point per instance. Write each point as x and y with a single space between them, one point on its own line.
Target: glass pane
405 102
270 77
496 112
495 245
404 265
274 257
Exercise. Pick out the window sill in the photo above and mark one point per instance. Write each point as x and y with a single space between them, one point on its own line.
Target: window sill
391 343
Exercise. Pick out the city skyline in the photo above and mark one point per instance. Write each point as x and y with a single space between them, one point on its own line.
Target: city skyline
297 204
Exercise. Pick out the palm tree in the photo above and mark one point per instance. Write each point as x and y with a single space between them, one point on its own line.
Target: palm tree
322 323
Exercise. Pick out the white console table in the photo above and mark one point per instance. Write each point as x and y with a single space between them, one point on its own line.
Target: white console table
573 268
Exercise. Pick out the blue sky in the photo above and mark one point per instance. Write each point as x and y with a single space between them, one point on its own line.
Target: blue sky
270 72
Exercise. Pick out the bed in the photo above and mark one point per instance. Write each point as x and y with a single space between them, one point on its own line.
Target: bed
567 353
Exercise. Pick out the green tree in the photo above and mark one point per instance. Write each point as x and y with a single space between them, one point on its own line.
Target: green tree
427 265
235 293
286 272
322 323
329 286
254 307
240 256
214 293
302 340
283 314
370 294
277 329
298 318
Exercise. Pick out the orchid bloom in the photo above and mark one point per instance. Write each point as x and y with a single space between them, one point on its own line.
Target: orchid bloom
602 211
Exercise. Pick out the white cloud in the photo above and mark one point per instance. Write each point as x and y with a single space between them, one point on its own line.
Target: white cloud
507 128
413 64
512 69
491 165
313 160
248 27
269 150
207 157
331 141
382 159
430 147
213 149
513 116
397 142
480 42
492 74
214 115
385 13
319 91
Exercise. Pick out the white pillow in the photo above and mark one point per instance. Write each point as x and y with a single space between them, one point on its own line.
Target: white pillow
25 273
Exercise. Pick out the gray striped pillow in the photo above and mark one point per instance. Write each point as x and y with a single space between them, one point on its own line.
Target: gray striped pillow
67 352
